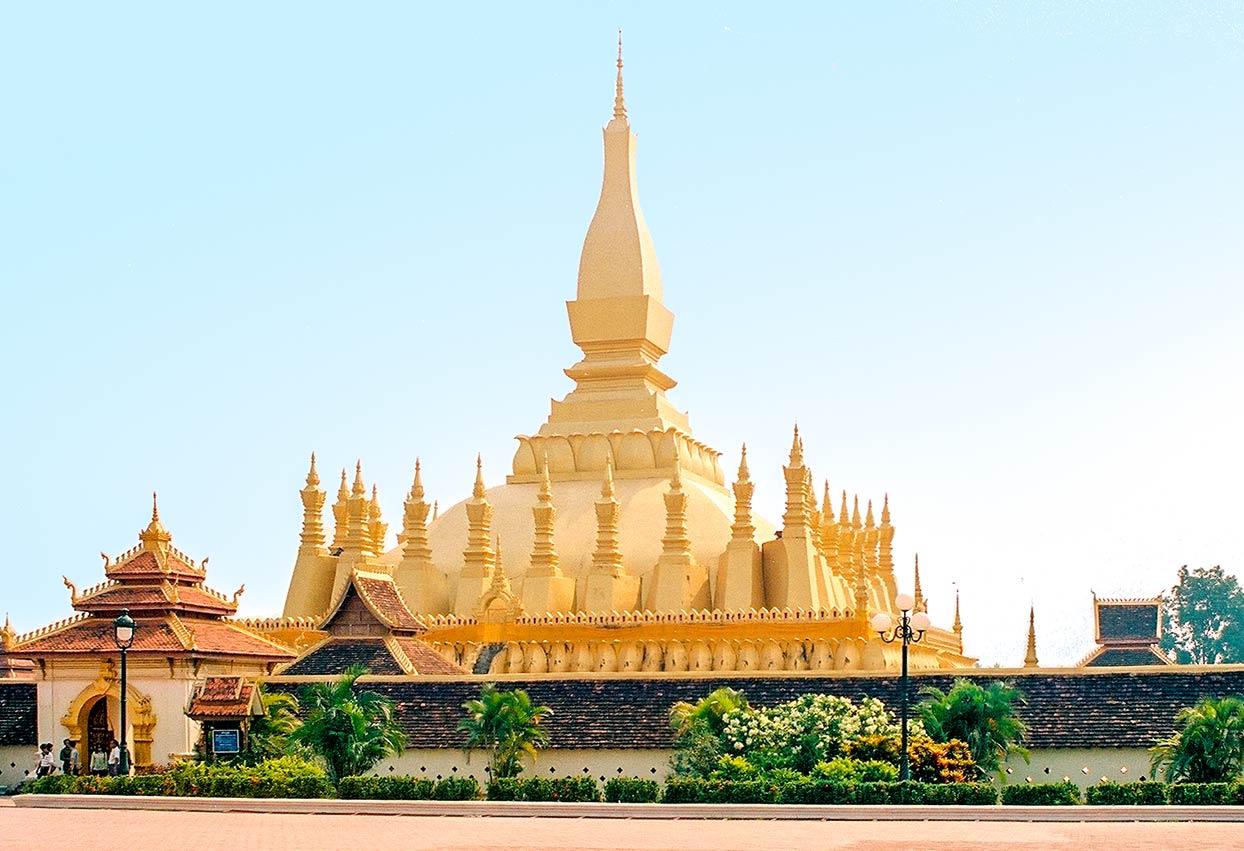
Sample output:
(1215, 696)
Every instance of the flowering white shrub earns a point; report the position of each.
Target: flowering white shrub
(806, 730)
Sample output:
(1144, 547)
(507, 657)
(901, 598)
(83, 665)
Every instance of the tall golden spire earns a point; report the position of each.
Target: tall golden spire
(357, 537)
(544, 560)
(1030, 658)
(479, 557)
(340, 516)
(415, 548)
(377, 529)
(478, 491)
(917, 591)
(155, 535)
(312, 537)
(676, 542)
(958, 624)
(796, 522)
(743, 528)
(607, 558)
(619, 103)
(885, 560)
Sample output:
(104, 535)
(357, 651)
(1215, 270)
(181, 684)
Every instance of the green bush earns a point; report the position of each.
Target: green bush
(287, 777)
(848, 770)
(817, 792)
(1201, 794)
(694, 791)
(399, 788)
(876, 793)
(570, 789)
(1114, 794)
(971, 794)
(632, 790)
(1041, 794)
(456, 789)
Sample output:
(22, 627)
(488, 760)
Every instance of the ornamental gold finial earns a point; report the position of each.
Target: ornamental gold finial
(855, 514)
(359, 488)
(416, 489)
(155, 508)
(343, 491)
(869, 522)
(1030, 658)
(745, 475)
(885, 511)
(313, 477)
(917, 591)
(436, 509)
(796, 449)
(619, 102)
(606, 489)
(827, 506)
(479, 490)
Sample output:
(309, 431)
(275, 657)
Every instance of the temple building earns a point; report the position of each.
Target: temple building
(627, 549)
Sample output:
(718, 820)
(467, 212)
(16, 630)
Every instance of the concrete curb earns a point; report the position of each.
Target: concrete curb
(760, 812)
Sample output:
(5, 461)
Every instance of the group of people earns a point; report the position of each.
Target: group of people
(101, 762)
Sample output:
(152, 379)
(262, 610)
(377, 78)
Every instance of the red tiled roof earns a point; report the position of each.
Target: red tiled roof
(381, 596)
(143, 562)
(425, 659)
(206, 636)
(151, 598)
(223, 697)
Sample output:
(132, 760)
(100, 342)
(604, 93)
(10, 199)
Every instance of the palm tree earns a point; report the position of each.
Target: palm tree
(985, 719)
(351, 730)
(269, 734)
(1209, 745)
(508, 725)
(711, 710)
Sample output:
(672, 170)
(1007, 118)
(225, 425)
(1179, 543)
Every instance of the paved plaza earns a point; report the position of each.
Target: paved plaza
(88, 830)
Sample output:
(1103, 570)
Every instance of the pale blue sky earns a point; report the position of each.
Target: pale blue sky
(988, 254)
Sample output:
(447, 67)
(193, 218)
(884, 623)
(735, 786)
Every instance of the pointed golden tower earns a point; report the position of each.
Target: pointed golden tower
(478, 558)
(498, 603)
(424, 588)
(678, 582)
(545, 588)
(310, 588)
(1030, 658)
(885, 559)
(740, 576)
(155, 537)
(377, 529)
(918, 592)
(339, 514)
(794, 570)
(829, 531)
(609, 588)
(957, 627)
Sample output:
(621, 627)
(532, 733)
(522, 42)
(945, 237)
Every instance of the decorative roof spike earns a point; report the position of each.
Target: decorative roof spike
(1030, 658)
(842, 511)
(855, 514)
(155, 533)
(313, 478)
(827, 506)
(869, 523)
(543, 554)
(546, 484)
(155, 508)
(359, 488)
(343, 491)
(957, 626)
(619, 102)
(745, 475)
(676, 478)
(312, 537)
(885, 511)
(479, 490)
(436, 509)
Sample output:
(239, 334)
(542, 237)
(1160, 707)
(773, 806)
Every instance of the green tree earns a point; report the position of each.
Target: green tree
(350, 729)
(269, 734)
(1208, 747)
(1204, 617)
(508, 725)
(710, 709)
(986, 719)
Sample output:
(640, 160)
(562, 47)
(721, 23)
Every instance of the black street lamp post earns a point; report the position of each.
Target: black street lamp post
(123, 633)
(909, 629)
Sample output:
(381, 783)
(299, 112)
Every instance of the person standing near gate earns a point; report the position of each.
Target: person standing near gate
(69, 761)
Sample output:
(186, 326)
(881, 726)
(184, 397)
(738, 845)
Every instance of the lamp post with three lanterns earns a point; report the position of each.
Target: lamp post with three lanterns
(908, 629)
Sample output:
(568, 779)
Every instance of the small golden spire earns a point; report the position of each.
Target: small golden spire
(313, 478)
(155, 508)
(343, 491)
(869, 523)
(606, 488)
(842, 512)
(796, 449)
(676, 478)
(436, 509)
(619, 102)
(918, 592)
(855, 515)
(745, 475)
(1030, 658)
(416, 489)
(155, 533)
(885, 511)
(479, 490)
(827, 506)
(957, 626)
(359, 488)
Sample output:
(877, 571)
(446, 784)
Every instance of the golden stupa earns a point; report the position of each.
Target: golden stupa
(625, 551)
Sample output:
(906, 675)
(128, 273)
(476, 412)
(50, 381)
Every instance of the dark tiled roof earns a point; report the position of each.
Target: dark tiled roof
(1113, 709)
(335, 655)
(1127, 621)
(18, 713)
(1122, 657)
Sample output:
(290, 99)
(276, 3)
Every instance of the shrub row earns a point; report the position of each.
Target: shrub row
(408, 788)
(1041, 794)
(632, 790)
(570, 789)
(688, 791)
(287, 777)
